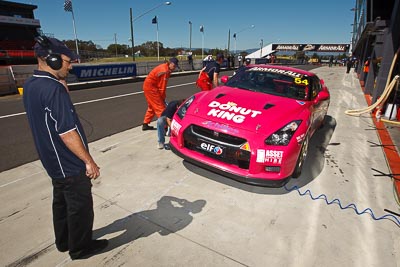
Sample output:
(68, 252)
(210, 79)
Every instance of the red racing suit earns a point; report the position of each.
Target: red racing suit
(204, 82)
(154, 88)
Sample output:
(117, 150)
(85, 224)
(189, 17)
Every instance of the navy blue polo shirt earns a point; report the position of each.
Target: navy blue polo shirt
(211, 68)
(50, 114)
(170, 110)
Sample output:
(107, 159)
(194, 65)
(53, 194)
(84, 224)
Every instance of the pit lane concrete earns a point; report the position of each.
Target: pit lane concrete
(158, 210)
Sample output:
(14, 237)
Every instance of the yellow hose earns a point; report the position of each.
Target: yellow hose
(388, 89)
(382, 99)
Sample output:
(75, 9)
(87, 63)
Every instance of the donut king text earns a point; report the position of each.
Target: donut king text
(231, 111)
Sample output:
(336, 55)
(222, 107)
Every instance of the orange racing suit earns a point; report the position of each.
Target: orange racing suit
(154, 88)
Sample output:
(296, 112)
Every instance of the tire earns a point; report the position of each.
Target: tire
(300, 160)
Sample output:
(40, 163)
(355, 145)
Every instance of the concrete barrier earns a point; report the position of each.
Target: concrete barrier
(7, 82)
(14, 76)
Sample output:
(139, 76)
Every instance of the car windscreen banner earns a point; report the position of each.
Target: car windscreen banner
(104, 72)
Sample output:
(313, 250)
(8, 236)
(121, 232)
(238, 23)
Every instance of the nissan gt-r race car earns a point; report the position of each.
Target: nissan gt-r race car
(256, 127)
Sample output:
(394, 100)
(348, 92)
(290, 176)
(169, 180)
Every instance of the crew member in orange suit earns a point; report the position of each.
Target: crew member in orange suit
(154, 88)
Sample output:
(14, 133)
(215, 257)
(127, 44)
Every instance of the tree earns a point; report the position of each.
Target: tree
(82, 45)
(121, 49)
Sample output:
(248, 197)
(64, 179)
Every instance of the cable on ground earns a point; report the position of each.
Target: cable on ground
(389, 217)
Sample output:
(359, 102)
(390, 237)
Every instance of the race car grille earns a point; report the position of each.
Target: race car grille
(217, 145)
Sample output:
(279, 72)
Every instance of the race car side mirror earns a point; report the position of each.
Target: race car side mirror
(224, 79)
(323, 95)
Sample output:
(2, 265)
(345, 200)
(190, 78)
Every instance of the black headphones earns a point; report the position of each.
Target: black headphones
(53, 60)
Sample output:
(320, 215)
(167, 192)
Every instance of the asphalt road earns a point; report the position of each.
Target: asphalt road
(103, 111)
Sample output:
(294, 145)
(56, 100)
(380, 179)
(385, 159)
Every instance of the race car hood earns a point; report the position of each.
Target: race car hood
(244, 109)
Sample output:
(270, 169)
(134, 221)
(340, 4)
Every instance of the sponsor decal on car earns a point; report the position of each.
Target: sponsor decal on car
(269, 156)
(175, 127)
(214, 149)
(300, 138)
(220, 126)
(280, 71)
(231, 111)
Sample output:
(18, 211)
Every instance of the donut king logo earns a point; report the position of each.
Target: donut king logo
(231, 111)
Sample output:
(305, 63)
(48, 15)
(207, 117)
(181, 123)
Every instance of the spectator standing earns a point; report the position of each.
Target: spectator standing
(190, 60)
(164, 121)
(273, 59)
(154, 88)
(63, 149)
(247, 62)
(349, 64)
(240, 60)
(366, 69)
(330, 61)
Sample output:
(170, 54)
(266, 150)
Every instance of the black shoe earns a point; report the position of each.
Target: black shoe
(95, 247)
(62, 249)
(146, 127)
(167, 147)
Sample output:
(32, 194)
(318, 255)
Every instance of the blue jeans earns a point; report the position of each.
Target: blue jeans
(161, 125)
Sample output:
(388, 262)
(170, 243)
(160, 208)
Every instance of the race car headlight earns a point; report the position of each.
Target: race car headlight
(182, 110)
(283, 136)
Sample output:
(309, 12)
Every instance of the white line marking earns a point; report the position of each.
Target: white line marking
(96, 100)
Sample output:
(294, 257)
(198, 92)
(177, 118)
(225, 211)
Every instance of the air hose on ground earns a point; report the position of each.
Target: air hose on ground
(382, 99)
(388, 89)
(369, 211)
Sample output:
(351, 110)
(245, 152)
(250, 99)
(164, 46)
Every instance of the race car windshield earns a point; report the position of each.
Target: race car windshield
(270, 83)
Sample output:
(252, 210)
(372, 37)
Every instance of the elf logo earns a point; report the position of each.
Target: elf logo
(211, 148)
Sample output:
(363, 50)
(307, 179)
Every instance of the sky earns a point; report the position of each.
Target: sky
(282, 21)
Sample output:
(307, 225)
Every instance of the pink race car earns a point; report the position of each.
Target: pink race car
(256, 127)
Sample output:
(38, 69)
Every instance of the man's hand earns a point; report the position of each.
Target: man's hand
(92, 170)
(74, 143)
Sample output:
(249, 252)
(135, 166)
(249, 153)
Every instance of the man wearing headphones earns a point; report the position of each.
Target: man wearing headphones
(63, 149)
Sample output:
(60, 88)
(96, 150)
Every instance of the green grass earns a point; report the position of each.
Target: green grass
(137, 59)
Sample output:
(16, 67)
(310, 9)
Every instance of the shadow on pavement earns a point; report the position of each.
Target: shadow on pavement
(316, 155)
(171, 215)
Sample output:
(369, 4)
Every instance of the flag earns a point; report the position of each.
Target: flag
(201, 28)
(154, 20)
(234, 35)
(68, 5)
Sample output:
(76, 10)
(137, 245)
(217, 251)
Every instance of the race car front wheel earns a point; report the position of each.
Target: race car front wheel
(300, 160)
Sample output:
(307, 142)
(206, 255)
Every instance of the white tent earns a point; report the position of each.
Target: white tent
(260, 53)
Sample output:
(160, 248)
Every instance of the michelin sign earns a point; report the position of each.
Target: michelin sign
(104, 72)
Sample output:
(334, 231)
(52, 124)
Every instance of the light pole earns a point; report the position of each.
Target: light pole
(242, 30)
(155, 21)
(261, 44)
(190, 36)
(138, 17)
(202, 41)
(229, 41)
